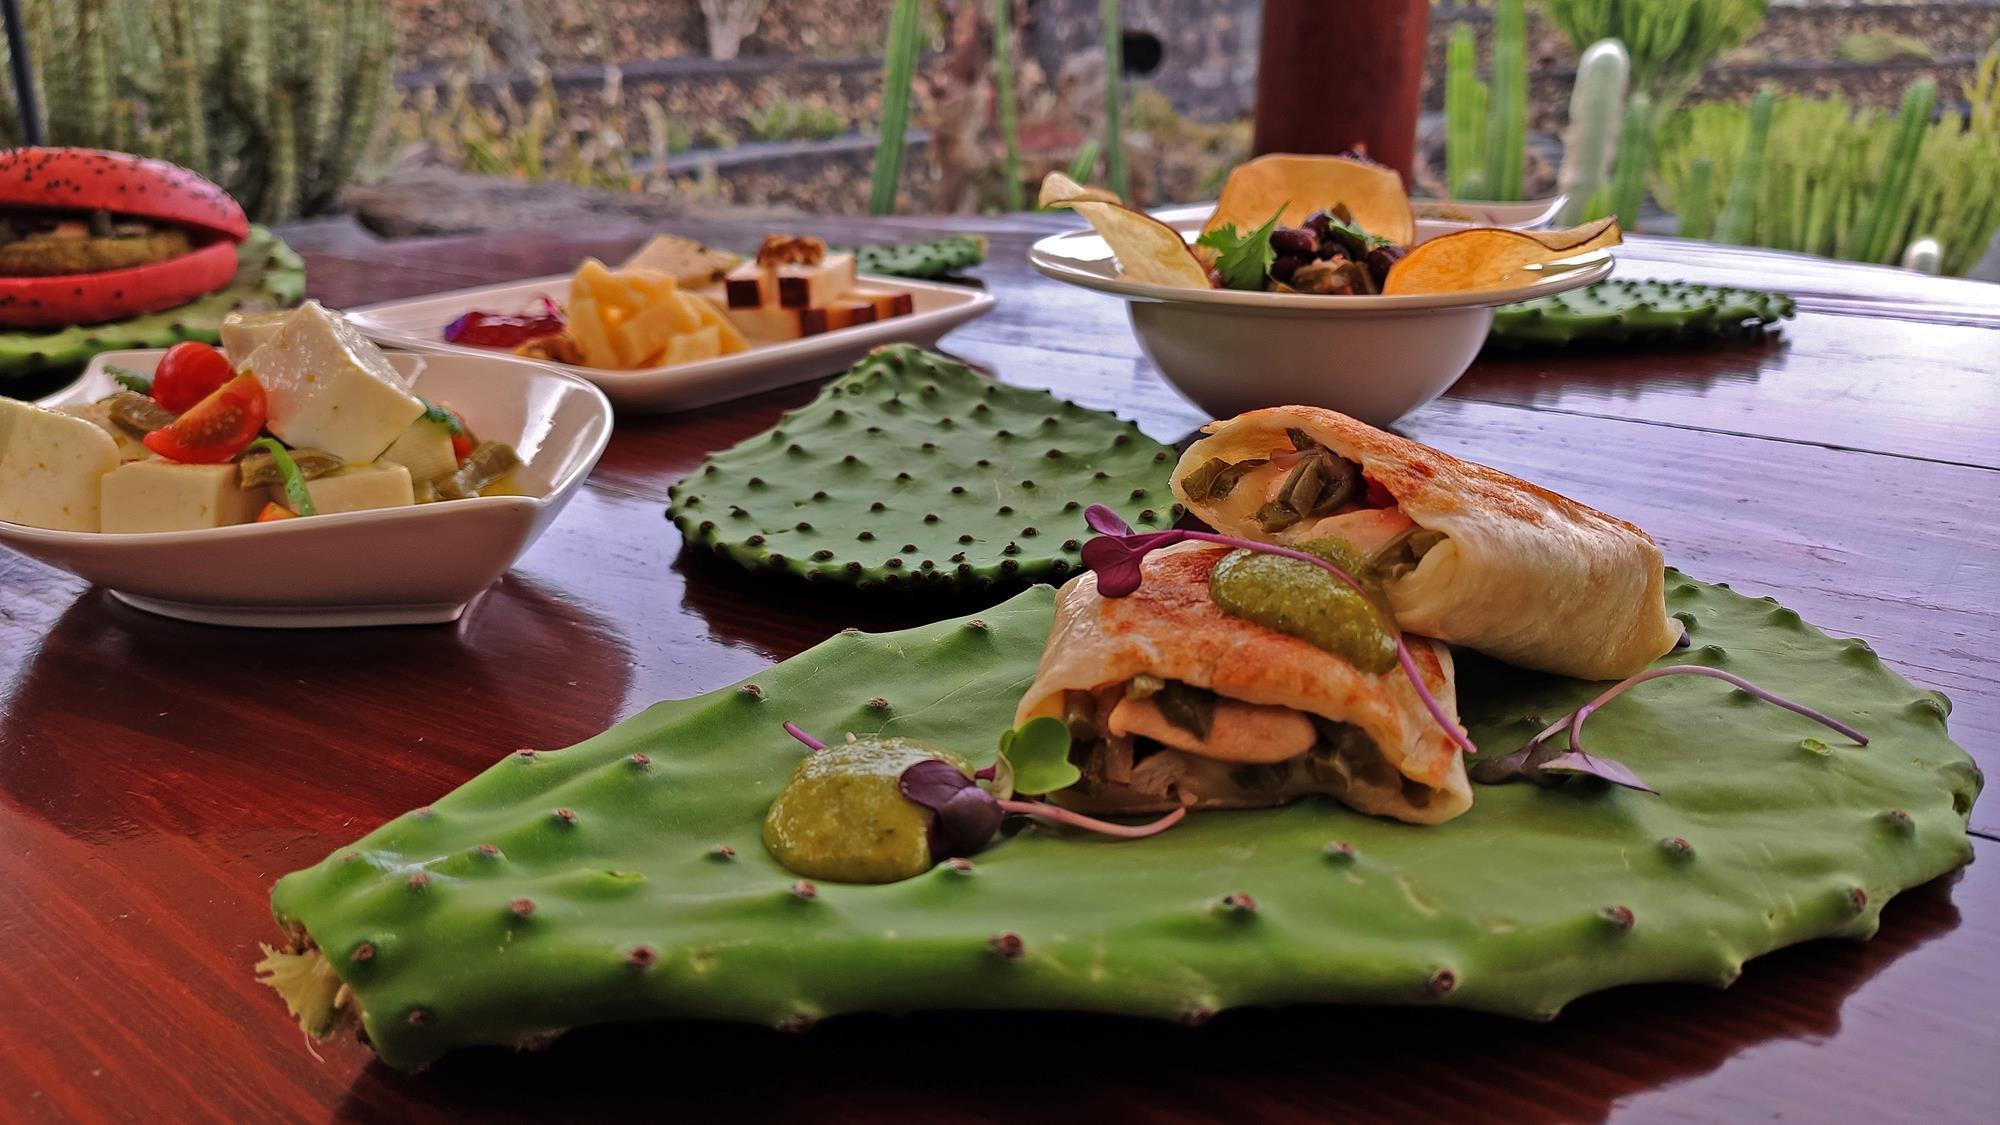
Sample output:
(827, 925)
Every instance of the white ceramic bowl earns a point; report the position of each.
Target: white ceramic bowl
(1376, 358)
(418, 324)
(388, 567)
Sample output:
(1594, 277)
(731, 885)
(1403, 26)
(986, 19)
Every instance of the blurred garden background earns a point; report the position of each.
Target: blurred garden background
(1853, 128)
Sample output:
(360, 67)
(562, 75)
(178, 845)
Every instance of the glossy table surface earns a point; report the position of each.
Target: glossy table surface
(156, 777)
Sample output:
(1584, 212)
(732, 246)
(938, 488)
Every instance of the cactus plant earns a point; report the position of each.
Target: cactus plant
(624, 878)
(1507, 125)
(1670, 40)
(1115, 173)
(915, 470)
(268, 275)
(1646, 311)
(1003, 93)
(1595, 123)
(1635, 153)
(937, 258)
(1698, 215)
(899, 66)
(1875, 237)
(1739, 213)
(1465, 117)
(277, 102)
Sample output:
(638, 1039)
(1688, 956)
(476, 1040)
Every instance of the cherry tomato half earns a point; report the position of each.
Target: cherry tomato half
(461, 438)
(188, 373)
(218, 428)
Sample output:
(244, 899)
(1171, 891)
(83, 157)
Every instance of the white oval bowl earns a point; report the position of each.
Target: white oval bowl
(390, 566)
(1375, 358)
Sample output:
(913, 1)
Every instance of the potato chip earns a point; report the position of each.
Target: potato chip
(1594, 235)
(1300, 185)
(1058, 190)
(1149, 251)
(1481, 258)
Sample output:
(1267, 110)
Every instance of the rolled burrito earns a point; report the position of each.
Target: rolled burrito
(1466, 554)
(1173, 702)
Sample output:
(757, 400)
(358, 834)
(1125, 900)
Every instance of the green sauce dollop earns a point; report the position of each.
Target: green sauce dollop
(842, 818)
(1301, 599)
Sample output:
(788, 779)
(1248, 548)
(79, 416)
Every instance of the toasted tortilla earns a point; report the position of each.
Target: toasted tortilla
(1524, 575)
(1172, 629)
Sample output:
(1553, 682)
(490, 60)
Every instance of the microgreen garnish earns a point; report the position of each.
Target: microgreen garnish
(1542, 757)
(967, 816)
(129, 379)
(1033, 760)
(1116, 554)
(442, 416)
(1243, 261)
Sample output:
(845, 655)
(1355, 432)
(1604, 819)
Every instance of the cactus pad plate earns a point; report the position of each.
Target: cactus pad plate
(914, 470)
(922, 260)
(1648, 311)
(624, 878)
(269, 274)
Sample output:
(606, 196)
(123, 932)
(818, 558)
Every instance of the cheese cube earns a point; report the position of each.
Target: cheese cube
(50, 468)
(749, 286)
(771, 323)
(425, 450)
(244, 333)
(357, 488)
(130, 447)
(169, 496)
(329, 388)
(887, 302)
(849, 312)
(818, 285)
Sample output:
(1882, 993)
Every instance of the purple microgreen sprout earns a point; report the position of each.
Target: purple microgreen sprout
(1116, 554)
(1541, 756)
(1042, 810)
(811, 742)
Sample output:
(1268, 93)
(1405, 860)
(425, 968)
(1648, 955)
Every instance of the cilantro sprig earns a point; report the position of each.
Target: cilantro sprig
(1243, 260)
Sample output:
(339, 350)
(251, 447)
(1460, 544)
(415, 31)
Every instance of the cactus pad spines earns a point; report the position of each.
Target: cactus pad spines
(269, 274)
(924, 260)
(914, 470)
(1645, 311)
(1764, 835)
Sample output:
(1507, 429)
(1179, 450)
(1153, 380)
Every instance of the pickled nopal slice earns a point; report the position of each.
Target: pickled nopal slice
(654, 898)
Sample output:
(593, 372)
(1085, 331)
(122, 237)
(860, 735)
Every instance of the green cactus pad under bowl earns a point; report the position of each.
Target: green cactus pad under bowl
(269, 275)
(914, 470)
(624, 878)
(1642, 311)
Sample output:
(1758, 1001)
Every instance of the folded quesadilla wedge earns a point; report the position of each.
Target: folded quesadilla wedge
(1465, 553)
(1173, 702)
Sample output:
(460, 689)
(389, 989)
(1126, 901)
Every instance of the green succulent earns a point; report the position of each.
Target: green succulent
(1644, 311)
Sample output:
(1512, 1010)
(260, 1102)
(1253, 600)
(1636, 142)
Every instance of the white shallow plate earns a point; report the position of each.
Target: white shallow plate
(418, 324)
(394, 566)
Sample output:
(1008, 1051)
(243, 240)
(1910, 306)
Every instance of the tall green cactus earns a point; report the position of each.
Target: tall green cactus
(201, 82)
(1698, 210)
(1507, 128)
(1670, 41)
(1635, 153)
(1875, 237)
(1595, 104)
(1114, 100)
(1739, 213)
(1464, 117)
(899, 65)
(1003, 93)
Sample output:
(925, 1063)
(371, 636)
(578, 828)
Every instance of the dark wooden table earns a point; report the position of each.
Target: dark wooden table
(156, 777)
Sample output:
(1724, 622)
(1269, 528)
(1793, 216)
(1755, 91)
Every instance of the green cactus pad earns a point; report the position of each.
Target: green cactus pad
(624, 878)
(940, 258)
(269, 274)
(1646, 311)
(914, 470)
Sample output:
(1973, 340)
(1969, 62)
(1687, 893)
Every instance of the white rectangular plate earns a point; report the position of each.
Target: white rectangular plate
(418, 324)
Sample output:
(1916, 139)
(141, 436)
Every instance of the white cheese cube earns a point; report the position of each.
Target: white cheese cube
(329, 388)
(98, 414)
(50, 466)
(425, 450)
(357, 488)
(243, 333)
(170, 496)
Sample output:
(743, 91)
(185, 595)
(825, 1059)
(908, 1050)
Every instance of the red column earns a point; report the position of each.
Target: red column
(1333, 74)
